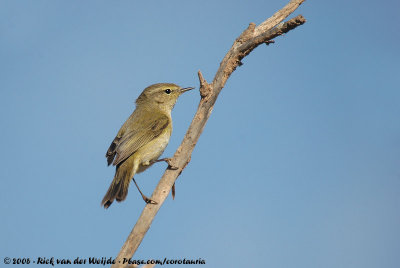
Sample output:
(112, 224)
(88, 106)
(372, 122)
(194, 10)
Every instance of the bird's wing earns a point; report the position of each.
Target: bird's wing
(136, 136)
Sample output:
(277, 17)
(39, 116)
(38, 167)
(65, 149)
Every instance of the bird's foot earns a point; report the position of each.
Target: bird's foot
(168, 161)
(148, 200)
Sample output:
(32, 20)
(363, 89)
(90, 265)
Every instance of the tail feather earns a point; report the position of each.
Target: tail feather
(118, 189)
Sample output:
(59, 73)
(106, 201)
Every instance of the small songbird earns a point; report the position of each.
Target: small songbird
(142, 138)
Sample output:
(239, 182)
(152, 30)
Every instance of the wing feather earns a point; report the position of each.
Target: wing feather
(136, 136)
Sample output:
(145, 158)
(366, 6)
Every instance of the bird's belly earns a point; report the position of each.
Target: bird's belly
(152, 150)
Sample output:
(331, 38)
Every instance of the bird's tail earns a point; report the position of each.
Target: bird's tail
(118, 189)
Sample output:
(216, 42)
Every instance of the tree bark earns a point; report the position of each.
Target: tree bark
(252, 37)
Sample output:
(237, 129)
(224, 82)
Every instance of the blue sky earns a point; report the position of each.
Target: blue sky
(298, 165)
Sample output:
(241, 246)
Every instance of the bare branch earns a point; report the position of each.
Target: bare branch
(205, 88)
(247, 34)
(278, 17)
(250, 38)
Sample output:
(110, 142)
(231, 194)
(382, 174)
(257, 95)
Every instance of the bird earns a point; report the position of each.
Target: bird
(142, 139)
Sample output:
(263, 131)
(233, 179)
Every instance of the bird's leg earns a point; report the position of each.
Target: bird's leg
(167, 160)
(145, 198)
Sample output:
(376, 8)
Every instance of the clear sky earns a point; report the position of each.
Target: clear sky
(298, 166)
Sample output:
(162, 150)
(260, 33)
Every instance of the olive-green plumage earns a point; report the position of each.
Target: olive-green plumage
(142, 138)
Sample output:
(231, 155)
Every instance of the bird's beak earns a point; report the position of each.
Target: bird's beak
(186, 89)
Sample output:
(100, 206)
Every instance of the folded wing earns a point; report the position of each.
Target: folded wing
(134, 137)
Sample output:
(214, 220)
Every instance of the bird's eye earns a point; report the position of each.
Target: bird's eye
(167, 91)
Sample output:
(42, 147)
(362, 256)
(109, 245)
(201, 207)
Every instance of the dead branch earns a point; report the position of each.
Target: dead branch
(252, 37)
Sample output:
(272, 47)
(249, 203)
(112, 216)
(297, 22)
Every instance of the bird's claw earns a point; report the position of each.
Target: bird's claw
(149, 201)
